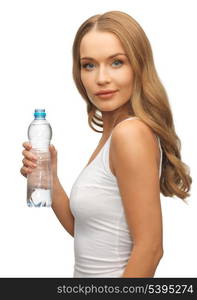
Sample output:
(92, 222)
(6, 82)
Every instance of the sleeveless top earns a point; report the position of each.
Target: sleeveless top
(102, 240)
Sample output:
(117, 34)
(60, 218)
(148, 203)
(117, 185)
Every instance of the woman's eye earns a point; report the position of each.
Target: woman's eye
(117, 62)
(87, 66)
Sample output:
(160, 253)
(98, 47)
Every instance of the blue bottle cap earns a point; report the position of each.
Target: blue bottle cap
(39, 113)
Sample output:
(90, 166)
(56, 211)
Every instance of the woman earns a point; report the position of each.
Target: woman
(114, 210)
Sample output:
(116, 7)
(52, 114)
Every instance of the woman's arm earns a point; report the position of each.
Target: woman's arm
(143, 261)
(60, 206)
(135, 160)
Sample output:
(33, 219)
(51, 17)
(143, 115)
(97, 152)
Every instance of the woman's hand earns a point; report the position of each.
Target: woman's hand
(29, 160)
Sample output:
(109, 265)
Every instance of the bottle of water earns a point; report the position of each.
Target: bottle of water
(39, 181)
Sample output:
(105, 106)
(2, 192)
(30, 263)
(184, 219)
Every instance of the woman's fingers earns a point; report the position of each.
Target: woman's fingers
(29, 160)
(28, 155)
(25, 171)
(27, 145)
(29, 163)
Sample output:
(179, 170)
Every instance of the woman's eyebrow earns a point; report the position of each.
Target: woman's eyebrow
(111, 56)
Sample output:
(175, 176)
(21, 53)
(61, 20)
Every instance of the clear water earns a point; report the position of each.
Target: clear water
(39, 182)
(37, 197)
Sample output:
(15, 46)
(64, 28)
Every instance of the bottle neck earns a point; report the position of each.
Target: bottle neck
(39, 118)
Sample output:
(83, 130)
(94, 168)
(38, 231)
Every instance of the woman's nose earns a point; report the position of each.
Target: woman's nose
(103, 76)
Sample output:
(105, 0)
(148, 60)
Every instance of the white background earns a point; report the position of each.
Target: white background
(36, 72)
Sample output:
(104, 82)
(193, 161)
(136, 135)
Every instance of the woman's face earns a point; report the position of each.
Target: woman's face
(105, 67)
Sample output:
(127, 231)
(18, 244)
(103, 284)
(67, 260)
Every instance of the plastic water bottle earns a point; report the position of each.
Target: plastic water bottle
(39, 181)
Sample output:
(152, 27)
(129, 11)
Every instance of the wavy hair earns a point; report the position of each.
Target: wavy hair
(149, 100)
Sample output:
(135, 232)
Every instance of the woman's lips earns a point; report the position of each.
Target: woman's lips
(106, 96)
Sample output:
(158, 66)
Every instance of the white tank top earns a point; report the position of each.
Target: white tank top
(102, 240)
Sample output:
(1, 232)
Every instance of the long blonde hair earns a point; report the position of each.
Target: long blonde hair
(149, 100)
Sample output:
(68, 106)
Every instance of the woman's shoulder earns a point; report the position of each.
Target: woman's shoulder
(133, 135)
(131, 128)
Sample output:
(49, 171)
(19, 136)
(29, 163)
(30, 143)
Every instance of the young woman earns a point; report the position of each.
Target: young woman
(114, 210)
